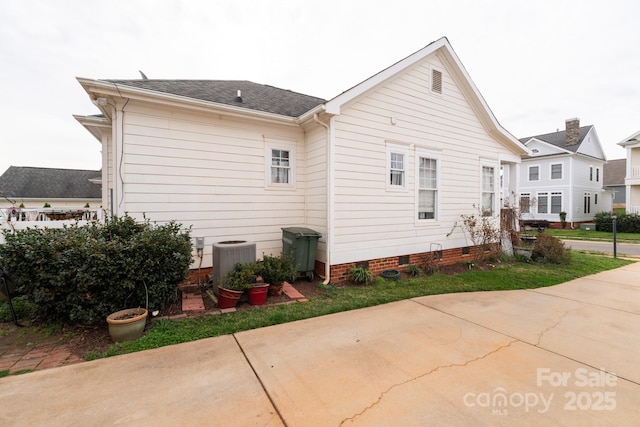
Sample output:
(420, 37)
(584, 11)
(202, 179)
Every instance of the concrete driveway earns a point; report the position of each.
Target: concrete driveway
(563, 355)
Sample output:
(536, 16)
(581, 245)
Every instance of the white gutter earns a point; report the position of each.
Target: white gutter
(329, 161)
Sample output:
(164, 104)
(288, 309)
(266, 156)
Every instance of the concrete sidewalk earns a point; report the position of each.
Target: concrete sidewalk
(563, 355)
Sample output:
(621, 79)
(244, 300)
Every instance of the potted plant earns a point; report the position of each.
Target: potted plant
(275, 270)
(128, 324)
(242, 277)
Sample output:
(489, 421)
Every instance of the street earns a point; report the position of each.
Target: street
(630, 249)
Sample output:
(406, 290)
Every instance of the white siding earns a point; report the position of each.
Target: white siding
(373, 222)
(208, 172)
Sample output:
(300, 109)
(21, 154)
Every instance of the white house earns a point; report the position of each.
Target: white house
(564, 173)
(383, 171)
(632, 178)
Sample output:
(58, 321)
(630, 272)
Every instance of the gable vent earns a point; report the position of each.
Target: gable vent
(436, 81)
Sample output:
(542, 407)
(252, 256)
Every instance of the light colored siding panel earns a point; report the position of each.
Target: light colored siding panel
(369, 219)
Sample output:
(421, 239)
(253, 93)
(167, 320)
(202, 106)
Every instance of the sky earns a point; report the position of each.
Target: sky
(536, 63)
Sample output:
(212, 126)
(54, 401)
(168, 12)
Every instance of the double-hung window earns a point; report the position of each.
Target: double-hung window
(556, 202)
(427, 188)
(556, 171)
(397, 169)
(397, 166)
(525, 203)
(488, 190)
(543, 203)
(280, 164)
(534, 173)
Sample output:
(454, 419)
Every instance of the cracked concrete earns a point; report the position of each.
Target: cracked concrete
(437, 368)
(531, 357)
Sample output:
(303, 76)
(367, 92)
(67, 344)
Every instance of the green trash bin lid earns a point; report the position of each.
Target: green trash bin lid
(302, 231)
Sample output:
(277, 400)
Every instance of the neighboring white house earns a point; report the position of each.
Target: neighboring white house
(632, 178)
(615, 172)
(564, 173)
(383, 171)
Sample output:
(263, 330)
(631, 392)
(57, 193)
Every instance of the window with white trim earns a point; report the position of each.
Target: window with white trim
(556, 171)
(525, 203)
(590, 173)
(397, 163)
(280, 165)
(556, 202)
(488, 195)
(595, 199)
(597, 174)
(543, 203)
(587, 203)
(534, 173)
(427, 187)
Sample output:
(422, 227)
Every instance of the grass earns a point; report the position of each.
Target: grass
(505, 276)
(605, 236)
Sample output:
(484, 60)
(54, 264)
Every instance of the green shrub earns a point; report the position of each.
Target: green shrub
(625, 223)
(242, 277)
(551, 250)
(277, 269)
(413, 270)
(361, 275)
(22, 307)
(81, 274)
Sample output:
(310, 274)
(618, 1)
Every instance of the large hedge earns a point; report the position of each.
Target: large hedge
(626, 223)
(81, 274)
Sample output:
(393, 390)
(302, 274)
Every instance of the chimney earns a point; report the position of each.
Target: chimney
(572, 134)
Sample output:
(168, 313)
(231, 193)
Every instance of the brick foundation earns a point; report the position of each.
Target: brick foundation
(339, 272)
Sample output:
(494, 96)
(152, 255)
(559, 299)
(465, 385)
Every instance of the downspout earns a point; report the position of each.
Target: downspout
(329, 201)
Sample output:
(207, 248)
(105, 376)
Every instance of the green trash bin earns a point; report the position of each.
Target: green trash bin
(301, 243)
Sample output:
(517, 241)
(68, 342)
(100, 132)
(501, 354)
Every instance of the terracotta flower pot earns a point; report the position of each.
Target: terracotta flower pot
(258, 294)
(127, 325)
(276, 290)
(228, 298)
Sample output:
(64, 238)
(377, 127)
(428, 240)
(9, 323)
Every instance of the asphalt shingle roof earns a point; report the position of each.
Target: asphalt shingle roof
(558, 138)
(255, 96)
(614, 172)
(47, 183)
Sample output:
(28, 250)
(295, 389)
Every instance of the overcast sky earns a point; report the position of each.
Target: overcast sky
(537, 63)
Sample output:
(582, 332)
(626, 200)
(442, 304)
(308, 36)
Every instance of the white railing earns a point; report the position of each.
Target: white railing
(19, 218)
(635, 172)
(14, 215)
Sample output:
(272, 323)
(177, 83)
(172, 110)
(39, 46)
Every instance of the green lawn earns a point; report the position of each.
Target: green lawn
(504, 276)
(592, 235)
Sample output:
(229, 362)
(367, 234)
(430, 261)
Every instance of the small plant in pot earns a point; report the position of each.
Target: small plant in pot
(128, 324)
(275, 270)
(243, 276)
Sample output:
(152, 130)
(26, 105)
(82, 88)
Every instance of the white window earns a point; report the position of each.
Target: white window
(597, 174)
(534, 173)
(595, 199)
(397, 159)
(427, 188)
(488, 190)
(397, 170)
(525, 203)
(590, 174)
(543, 203)
(587, 203)
(556, 171)
(280, 165)
(556, 202)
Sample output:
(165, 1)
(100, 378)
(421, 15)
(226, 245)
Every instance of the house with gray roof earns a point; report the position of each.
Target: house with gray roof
(564, 172)
(615, 172)
(32, 187)
(382, 171)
